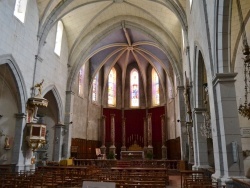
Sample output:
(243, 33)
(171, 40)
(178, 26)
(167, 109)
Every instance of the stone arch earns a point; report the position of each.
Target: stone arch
(18, 78)
(198, 68)
(222, 36)
(56, 94)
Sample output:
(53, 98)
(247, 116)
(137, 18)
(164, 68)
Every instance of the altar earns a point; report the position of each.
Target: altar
(132, 155)
(135, 152)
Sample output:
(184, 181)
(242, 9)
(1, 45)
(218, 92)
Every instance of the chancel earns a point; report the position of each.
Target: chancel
(125, 93)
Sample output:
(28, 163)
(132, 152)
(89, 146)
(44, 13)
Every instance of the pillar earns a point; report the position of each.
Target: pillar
(200, 142)
(58, 141)
(68, 121)
(20, 146)
(163, 138)
(225, 129)
(182, 124)
(150, 146)
(103, 147)
(145, 132)
(123, 134)
(112, 147)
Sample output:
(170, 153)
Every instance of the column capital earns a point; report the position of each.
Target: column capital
(199, 110)
(103, 116)
(112, 115)
(20, 115)
(224, 77)
(162, 116)
(70, 92)
(180, 87)
(59, 125)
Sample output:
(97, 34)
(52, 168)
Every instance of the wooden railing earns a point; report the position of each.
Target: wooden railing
(173, 166)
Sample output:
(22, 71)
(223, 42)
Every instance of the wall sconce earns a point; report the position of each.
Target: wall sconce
(7, 143)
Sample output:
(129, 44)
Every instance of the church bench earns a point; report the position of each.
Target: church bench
(199, 182)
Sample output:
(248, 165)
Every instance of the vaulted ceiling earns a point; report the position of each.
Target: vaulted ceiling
(106, 32)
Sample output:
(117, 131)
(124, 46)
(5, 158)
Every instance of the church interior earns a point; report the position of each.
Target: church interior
(125, 93)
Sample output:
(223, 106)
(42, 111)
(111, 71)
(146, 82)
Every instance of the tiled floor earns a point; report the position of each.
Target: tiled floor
(174, 182)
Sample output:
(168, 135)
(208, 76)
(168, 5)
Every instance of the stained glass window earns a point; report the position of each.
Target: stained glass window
(134, 88)
(155, 88)
(112, 88)
(95, 89)
(20, 9)
(81, 81)
(58, 43)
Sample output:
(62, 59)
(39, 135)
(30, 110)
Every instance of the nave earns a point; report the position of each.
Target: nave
(122, 174)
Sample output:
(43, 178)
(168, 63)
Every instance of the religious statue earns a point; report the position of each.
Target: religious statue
(186, 95)
(7, 143)
(39, 86)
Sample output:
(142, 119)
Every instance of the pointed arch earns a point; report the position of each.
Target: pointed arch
(18, 78)
(58, 100)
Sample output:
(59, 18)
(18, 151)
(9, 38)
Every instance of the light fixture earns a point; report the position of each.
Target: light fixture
(244, 109)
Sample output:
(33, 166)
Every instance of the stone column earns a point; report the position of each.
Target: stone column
(182, 124)
(20, 146)
(123, 134)
(163, 138)
(225, 128)
(103, 147)
(112, 147)
(58, 141)
(200, 142)
(68, 121)
(145, 133)
(150, 146)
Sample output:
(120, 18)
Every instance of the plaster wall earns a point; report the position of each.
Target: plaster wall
(8, 107)
(20, 39)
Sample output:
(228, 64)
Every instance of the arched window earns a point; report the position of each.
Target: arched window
(59, 33)
(191, 2)
(183, 39)
(134, 88)
(112, 88)
(95, 89)
(20, 9)
(81, 81)
(155, 88)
